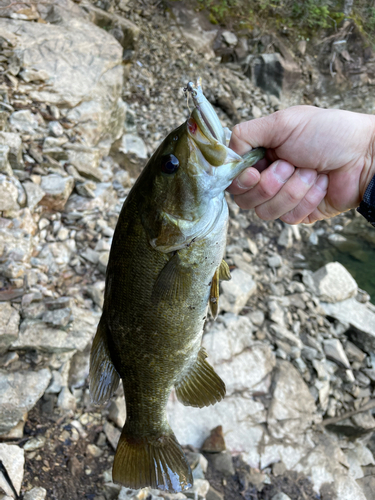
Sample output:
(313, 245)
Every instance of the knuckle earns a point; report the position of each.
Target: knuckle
(292, 197)
(265, 191)
(263, 213)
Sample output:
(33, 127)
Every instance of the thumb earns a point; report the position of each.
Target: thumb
(256, 133)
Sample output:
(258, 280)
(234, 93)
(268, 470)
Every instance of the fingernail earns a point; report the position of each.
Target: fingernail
(307, 175)
(322, 182)
(246, 180)
(283, 170)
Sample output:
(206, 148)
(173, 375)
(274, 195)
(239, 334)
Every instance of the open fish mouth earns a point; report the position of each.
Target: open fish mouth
(204, 114)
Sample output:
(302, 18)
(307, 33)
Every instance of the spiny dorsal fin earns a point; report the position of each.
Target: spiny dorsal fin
(104, 378)
(224, 271)
(158, 462)
(201, 386)
(173, 281)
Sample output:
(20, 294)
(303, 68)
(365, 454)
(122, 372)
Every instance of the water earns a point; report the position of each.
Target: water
(354, 248)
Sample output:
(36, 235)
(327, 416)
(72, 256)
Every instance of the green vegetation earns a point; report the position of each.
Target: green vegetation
(301, 17)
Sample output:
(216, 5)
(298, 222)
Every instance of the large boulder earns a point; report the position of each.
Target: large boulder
(76, 66)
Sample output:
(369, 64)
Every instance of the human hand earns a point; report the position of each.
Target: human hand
(318, 163)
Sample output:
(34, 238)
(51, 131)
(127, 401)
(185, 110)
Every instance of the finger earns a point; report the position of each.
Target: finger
(248, 178)
(289, 196)
(271, 181)
(245, 181)
(309, 203)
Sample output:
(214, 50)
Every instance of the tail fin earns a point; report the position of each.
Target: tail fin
(156, 462)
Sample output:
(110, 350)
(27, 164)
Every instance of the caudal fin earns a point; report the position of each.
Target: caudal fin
(159, 463)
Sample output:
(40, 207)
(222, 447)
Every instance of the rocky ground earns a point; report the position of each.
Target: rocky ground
(87, 92)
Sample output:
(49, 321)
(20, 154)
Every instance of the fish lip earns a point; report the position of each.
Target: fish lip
(201, 104)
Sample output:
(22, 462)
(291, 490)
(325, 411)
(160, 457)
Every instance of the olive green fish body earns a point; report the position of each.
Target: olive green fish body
(164, 268)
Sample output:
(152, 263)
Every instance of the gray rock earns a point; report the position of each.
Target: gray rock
(222, 462)
(9, 323)
(257, 317)
(274, 261)
(353, 352)
(212, 494)
(229, 38)
(276, 312)
(90, 255)
(286, 237)
(96, 292)
(57, 191)
(359, 316)
(5, 167)
(13, 458)
(34, 443)
(335, 352)
(133, 144)
(66, 400)
(199, 489)
(227, 337)
(199, 39)
(55, 129)
(58, 317)
(103, 261)
(367, 485)
(117, 411)
(14, 142)
(35, 494)
(272, 73)
(35, 334)
(86, 161)
(24, 120)
(8, 194)
(112, 434)
(121, 28)
(34, 194)
(236, 292)
(334, 283)
(256, 112)
(286, 335)
(281, 496)
(292, 407)
(19, 392)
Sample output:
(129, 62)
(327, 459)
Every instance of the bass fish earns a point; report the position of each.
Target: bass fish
(164, 268)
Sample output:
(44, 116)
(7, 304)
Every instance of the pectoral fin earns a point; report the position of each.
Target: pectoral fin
(104, 378)
(201, 386)
(221, 273)
(224, 271)
(173, 281)
(214, 294)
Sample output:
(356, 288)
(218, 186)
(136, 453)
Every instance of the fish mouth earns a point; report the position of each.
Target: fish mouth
(204, 115)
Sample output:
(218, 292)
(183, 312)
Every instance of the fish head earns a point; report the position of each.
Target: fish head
(185, 180)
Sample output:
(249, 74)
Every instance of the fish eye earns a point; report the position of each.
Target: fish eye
(169, 164)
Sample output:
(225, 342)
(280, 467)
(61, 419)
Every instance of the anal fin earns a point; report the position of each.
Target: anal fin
(173, 282)
(104, 378)
(158, 462)
(201, 386)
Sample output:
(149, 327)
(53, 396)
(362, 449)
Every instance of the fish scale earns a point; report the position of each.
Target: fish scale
(163, 272)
